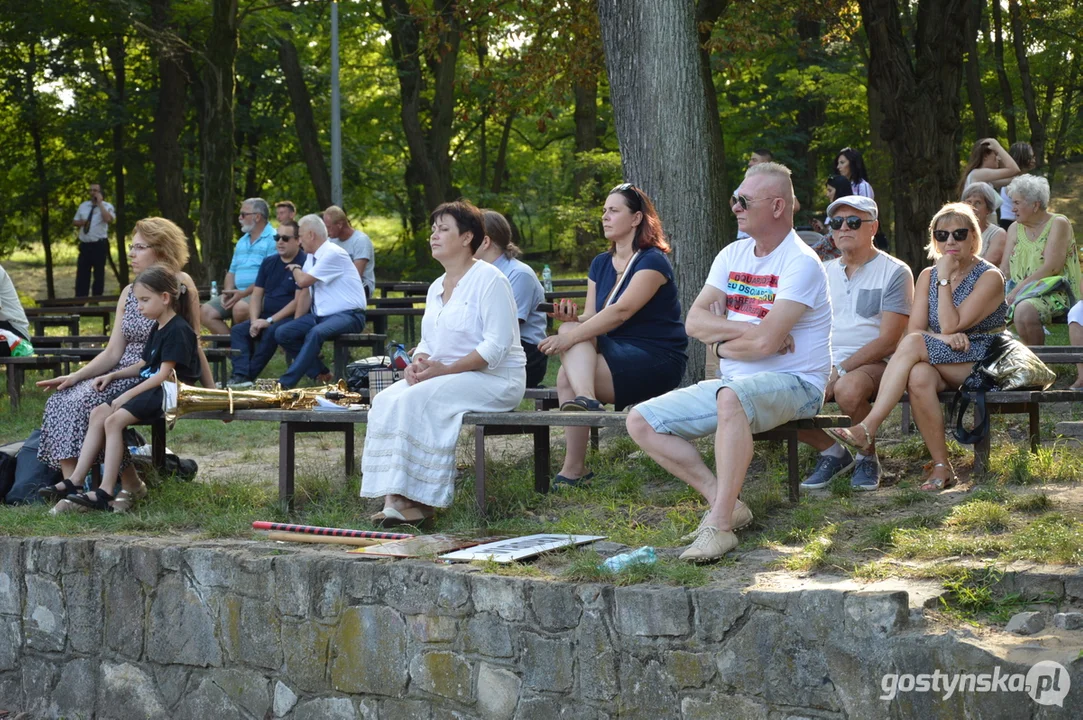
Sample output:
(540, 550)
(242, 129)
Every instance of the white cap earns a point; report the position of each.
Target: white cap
(857, 202)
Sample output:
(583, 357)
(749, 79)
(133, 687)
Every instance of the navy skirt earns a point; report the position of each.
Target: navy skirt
(147, 406)
(640, 372)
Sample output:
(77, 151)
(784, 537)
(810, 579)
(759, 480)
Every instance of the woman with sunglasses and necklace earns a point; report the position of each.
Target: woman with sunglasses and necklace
(958, 309)
(629, 343)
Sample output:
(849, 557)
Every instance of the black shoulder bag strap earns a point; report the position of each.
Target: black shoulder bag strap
(957, 409)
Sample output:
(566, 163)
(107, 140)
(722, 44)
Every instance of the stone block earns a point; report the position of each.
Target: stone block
(250, 631)
(11, 574)
(444, 674)
(125, 610)
(545, 707)
(597, 658)
(717, 611)
(11, 689)
(503, 596)
(876, 614)
(1026, 623)
(78, 556)
(305, 650)
(366, 581)
(1073, 586)
(652, 612)
(45, 621)
(368, 652)
(293, 586)
(247, 689)
(126, 692)
(487, 634)
(284, 699)
(82, 598)
(646, 689)
(773, 599)
(732, 707)
(78, 684)
(405, 710)
(689, 669)
(433, 628)
(11, 642)
(172, 682)
(547, 662)
(1064, 621)
(338, 708)
(555, 606)
(39, 677)
(45, 556)
(171, 558)
(206, 700)
(181, 627)
(330, 597)
(498, 692)
(144, 564)
(415, 589)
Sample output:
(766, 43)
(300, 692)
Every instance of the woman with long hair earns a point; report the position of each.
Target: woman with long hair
(851, 166)
(989, 162)
(629, 343)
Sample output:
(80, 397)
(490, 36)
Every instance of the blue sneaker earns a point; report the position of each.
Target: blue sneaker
(828, 467)
(866, 474)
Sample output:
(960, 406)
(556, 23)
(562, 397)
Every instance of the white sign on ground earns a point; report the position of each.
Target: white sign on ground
(505, 551)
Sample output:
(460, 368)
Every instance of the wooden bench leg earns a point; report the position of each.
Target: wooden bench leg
(905, 417)
(286, 436)
(157, 443)
(1035, 427)
(981, 455)
(341, 353)
(793, 470)
(350, 461)
(594, 439)
(541, 460)
(479, 467)
(13, 386)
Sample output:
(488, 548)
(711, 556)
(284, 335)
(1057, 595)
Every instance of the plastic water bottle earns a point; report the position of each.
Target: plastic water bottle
(17, 347)
(547, 279)
(214, 289)
(644, 555)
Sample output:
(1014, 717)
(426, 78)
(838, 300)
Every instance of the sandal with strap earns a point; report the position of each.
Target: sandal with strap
(844, 436)
(60, 491)
(100, 501)
(936, 483)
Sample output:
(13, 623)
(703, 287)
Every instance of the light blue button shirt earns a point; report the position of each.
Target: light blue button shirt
(528, 293)
(248, 256)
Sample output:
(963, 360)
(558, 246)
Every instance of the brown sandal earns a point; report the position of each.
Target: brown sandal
(844, 436)
(935, 483)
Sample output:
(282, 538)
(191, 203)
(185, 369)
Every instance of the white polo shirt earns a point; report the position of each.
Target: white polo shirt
(858, 303)
(99, 229)
(338, 287)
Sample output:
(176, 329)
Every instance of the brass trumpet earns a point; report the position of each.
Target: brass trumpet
(190, 399)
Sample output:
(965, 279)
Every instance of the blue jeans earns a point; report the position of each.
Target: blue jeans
(304, 336)
(256, 352)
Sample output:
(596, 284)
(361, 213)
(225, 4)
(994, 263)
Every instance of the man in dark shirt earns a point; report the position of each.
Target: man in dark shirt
(273, 300)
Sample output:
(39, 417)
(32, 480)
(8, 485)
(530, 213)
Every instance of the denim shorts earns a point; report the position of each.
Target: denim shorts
(769, 400)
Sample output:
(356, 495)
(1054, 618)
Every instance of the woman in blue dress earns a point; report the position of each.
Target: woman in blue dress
(629, 343)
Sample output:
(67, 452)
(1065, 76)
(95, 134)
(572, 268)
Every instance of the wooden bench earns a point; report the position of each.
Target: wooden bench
(536, 423)
(41, 321)
(105, 312)
(46, 341)
(17, 367)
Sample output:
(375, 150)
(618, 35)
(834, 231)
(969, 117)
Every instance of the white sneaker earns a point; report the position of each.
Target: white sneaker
(742, 517)
(710, 544)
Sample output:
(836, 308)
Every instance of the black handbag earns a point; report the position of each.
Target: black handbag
(1008, 365)
(357, 373)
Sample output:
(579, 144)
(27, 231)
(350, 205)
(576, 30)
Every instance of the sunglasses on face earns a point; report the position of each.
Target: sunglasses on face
(744, 202)
(852, 221)
(942, 235)
(284, 238)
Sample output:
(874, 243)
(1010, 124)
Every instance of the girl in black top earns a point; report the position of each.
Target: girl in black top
(172, 346)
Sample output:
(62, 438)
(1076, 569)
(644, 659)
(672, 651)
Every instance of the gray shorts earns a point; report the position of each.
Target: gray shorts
(769, 400)
(216, 303)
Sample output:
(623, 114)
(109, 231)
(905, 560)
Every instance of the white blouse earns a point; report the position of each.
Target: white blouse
(481, 315)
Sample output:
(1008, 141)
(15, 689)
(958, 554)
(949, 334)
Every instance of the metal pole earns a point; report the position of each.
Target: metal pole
(336, 114)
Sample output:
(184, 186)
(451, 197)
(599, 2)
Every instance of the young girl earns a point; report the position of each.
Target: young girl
(172, 346)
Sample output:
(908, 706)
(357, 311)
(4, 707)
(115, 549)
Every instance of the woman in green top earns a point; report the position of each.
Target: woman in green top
(1040, 245)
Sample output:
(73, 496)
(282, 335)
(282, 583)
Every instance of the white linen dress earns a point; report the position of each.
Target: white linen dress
(413, 429)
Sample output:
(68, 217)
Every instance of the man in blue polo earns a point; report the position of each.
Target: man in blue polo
(257, 243)
(273, 301)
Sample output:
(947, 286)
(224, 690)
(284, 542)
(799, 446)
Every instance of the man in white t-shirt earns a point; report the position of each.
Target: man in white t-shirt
(92, 218)
(334, 305)
(765, 313)
(871, 295)
(356, 243)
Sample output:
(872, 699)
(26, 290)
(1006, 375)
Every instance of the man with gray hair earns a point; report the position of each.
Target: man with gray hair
(257, 243)
(333, 305)
(765, 313)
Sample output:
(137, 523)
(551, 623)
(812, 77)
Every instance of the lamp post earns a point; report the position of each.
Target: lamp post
(336, 113)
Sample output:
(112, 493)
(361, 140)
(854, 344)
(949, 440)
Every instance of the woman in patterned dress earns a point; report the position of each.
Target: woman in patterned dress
(964, 309)
(67, 412)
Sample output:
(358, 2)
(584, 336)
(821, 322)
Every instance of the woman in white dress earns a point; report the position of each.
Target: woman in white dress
(469, 360)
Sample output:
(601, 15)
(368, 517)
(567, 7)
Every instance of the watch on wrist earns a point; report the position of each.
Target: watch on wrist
(717, 347)
(840, 370)
(943, 282)
(271, 320)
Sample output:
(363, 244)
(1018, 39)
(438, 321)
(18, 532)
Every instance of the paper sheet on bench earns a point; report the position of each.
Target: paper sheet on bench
(513, 549)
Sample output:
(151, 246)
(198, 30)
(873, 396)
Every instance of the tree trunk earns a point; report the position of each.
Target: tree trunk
(1037, 127)
(973, 73)
(500, 168)
(670, 142)
(920, 101)
(1002, 73)
(217, 209)
(429, 143)
(1061, 137)
(169, 121)
(707, 14)
(586, 139)
(305, 122)
(117, 53)
(247, 141)
(39, 166)
(812, 110)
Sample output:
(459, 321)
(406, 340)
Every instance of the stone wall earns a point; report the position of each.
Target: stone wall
(141, 629)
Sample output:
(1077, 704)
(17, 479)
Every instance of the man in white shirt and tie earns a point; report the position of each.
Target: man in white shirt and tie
(337, 302)
(92, 218)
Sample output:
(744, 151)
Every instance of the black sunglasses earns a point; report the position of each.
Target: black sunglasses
(959, 234)
(284, 238)
(852, 221)
(744, 202)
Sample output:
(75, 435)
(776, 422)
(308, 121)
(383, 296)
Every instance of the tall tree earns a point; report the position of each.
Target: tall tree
(117, 52)
(918, 82)
(670, 144)
(1019, 43)
(1007, 99)
(304, 120)
(974, 91)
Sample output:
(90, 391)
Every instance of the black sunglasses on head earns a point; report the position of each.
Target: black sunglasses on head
(852, 221)
(959, 234)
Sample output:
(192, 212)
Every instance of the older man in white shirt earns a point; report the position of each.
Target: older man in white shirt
(337, 301)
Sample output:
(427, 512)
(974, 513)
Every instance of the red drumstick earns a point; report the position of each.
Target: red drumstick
(332, 532)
